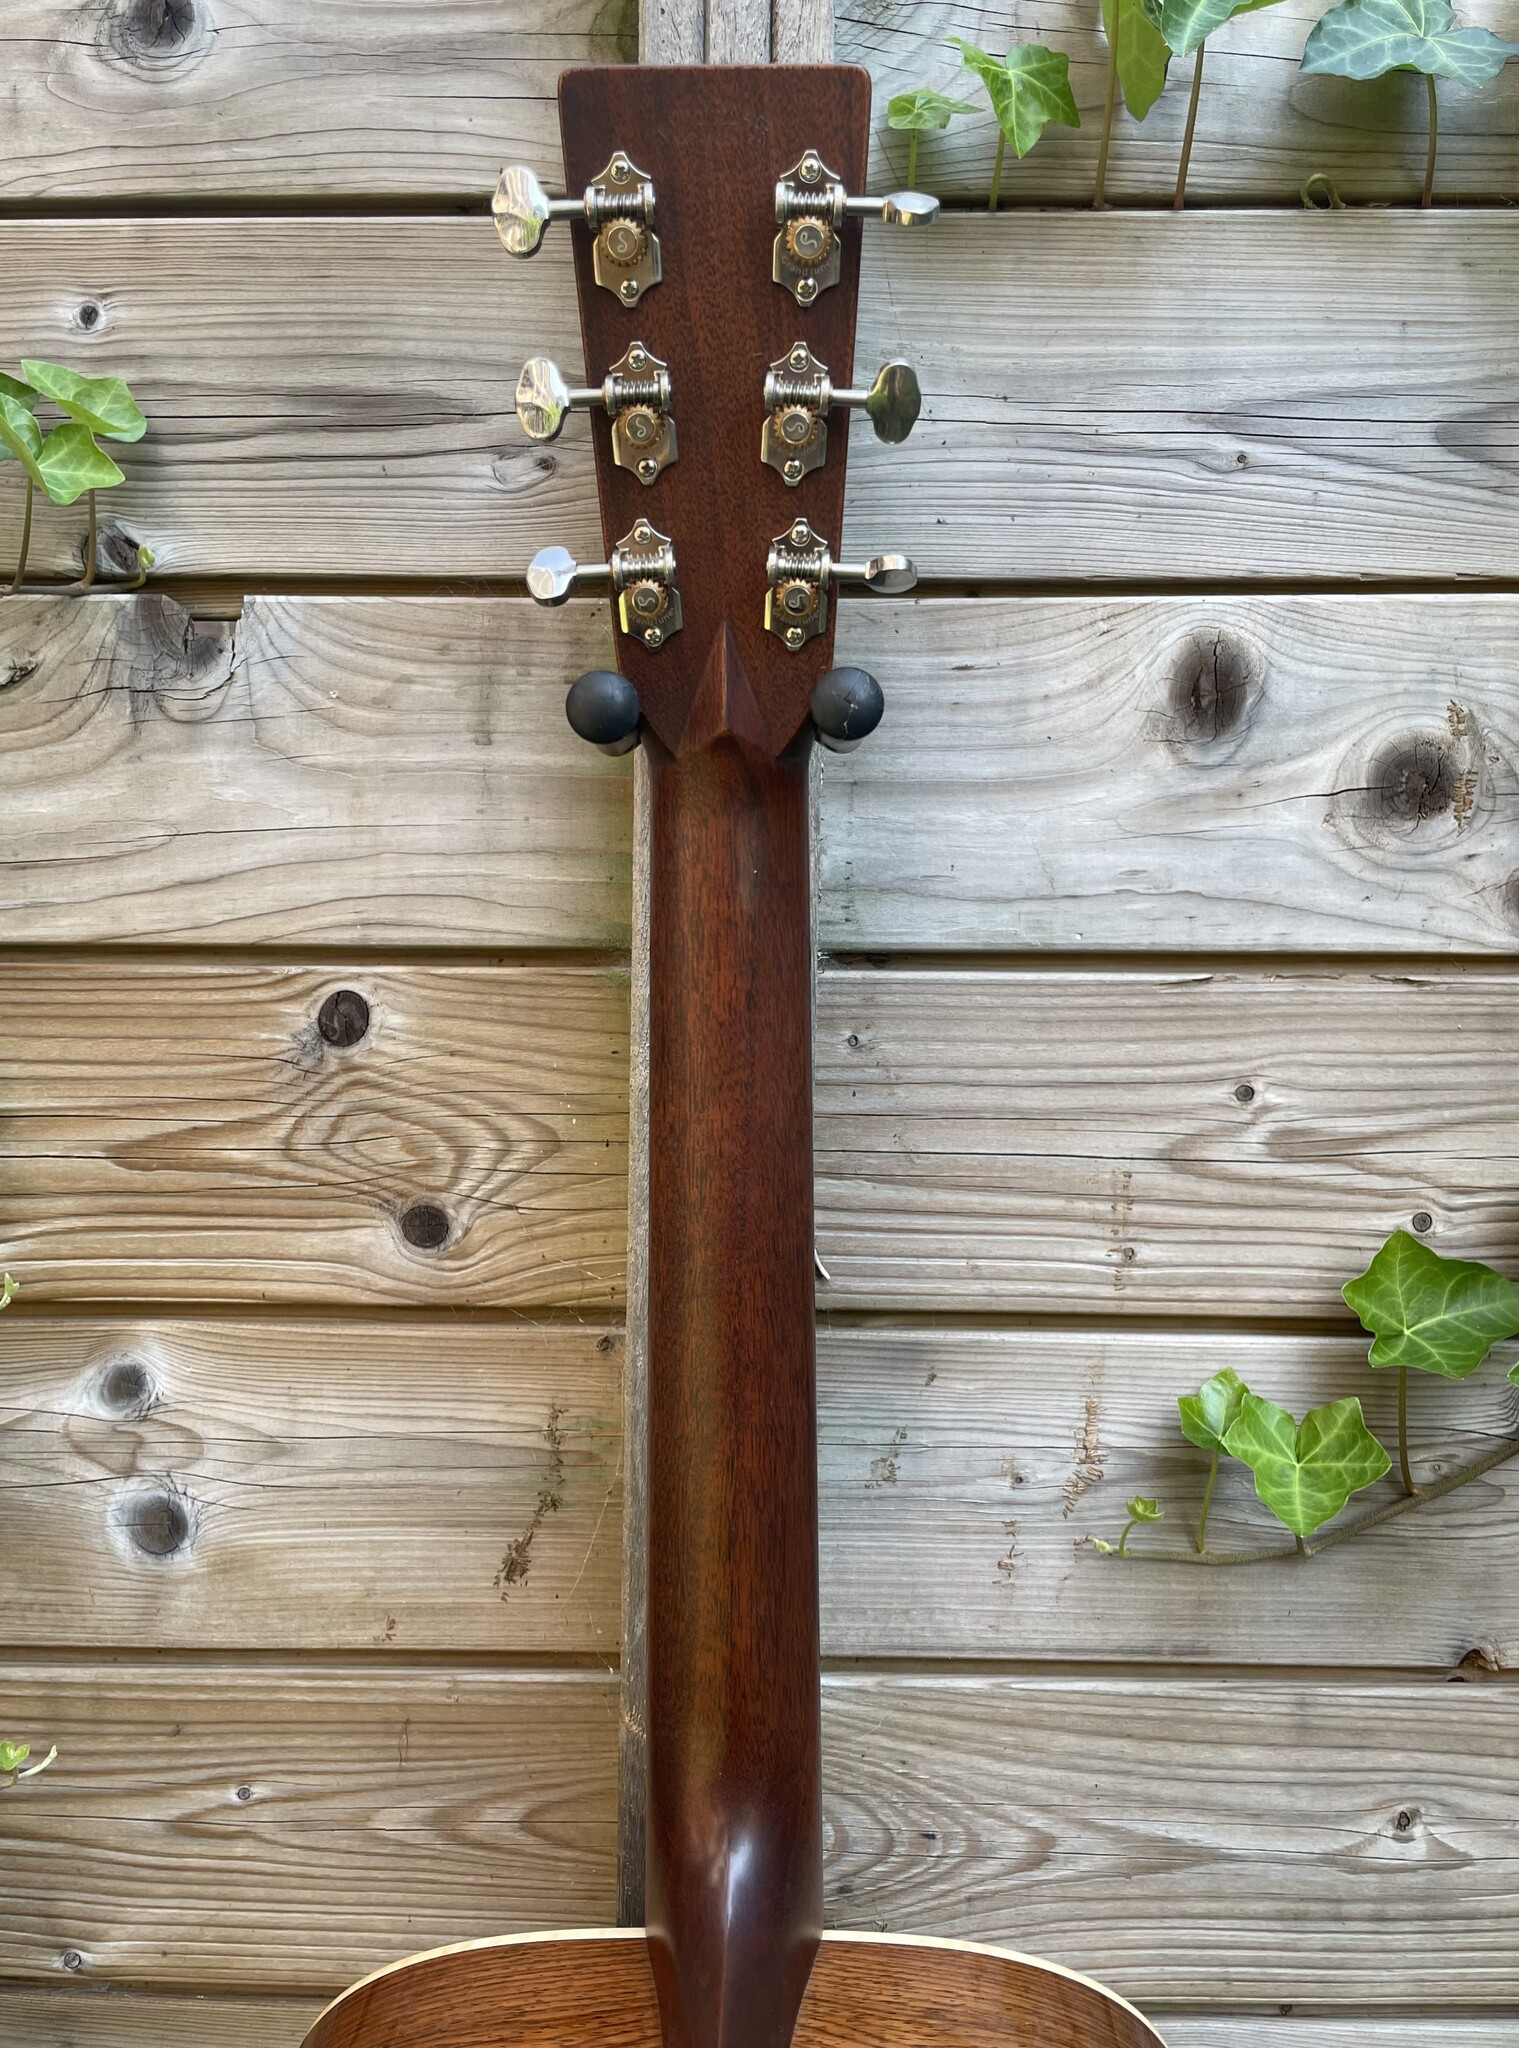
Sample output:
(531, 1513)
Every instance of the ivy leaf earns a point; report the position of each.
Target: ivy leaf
(12, 387)
(20, 436)
(9, 1289)
(1028, 90)
(103, 404)
(924, 110)
(1133, 26)
(1364, 38)
(1208, 1415)
(1142, 1510)
(13, 1755)
(73, 462)
(1187, 23)
(1438, 1315)
(1305, 1472)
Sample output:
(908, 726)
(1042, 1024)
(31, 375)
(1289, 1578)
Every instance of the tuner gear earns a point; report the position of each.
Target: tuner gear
(617, 205)
(641, 572)
(799, 391)
(635, 391)
(811, 206)
(800, 570)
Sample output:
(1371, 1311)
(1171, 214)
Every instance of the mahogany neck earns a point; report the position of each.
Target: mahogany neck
(735, 1877)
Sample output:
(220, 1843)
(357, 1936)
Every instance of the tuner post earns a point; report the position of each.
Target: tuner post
(800, 571)
(811, 206)
(617, 206)
(799, 394)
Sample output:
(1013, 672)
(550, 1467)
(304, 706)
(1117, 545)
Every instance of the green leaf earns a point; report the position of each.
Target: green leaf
(12, 387)
(1364, 38)
(1437, 1315)
(9, 1289)
(924, 110)
(1187, 23)
(73, 462)
(13, 1755)
(1208, 1415)
(21, 436)
(1028, 90)
(1142, 1510)
(103, 404)
(1305, 1472)
(1143, 54)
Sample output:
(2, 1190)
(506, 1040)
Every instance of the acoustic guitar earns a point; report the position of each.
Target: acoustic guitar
(716, 217)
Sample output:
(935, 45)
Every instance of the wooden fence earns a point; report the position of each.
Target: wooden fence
(1171, 937)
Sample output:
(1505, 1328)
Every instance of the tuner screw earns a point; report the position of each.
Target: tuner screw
(602, 707)
(847, 704)
(811, 206)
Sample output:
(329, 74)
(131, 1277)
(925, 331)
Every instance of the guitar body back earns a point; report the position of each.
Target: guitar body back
(596, 1990)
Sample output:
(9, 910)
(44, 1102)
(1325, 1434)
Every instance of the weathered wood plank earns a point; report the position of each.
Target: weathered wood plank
(1180, 1143)
(391, 1809)
(358, 771)
(1262, 127)
(185, 1132)
(316, 1486)
(285, 1826)
(964, 1473)
(90, 2018)
(286, 100)
(333, 397)
(179, 103)
(1251, 773)
(283, 1485)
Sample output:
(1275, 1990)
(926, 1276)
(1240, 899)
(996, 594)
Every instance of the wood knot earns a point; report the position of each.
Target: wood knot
(1211, 681)
(88, 315)
(153, 34)
(1414, 779)
(125, 1388)
(156, 1521)
(343, 1018)
(425, 1226)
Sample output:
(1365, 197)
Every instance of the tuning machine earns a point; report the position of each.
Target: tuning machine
(811, 206)
(635, 391)
(799, 394)
(800, 572)
(617, 205)
(641, 571)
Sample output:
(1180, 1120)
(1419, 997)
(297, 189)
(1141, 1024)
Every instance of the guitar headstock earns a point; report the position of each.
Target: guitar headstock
(716, 220)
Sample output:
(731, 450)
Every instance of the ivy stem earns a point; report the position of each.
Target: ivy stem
(912, 158)
(1406, 1504)
(26, 541)
(1403, 1468)
(89, 548)
(1098, 202)
(1186, 142)
(997, 173)
(1202, 1520)
(1427, 198)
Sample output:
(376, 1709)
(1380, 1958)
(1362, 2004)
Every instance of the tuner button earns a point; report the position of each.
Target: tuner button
(521, 210)
(886, 575)
(894, 401)
(543, 399)
(910, 209)
(603, 707)
(847, 704)
(553, 573)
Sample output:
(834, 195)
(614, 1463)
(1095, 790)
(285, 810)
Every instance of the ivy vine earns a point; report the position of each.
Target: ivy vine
(1426, 1314)
(67, 462)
